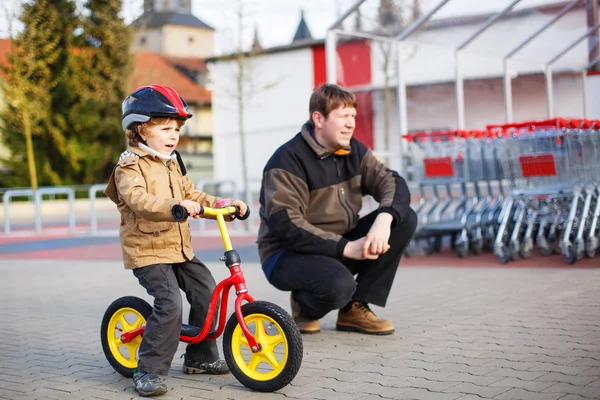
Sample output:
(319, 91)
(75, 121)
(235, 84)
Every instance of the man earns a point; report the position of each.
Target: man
(311, 240)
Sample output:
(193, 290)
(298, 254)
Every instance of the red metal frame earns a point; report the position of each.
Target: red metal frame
(236, 280)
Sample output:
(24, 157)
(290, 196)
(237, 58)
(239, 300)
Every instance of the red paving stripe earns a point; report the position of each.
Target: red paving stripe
(199, 243)
(488, 260)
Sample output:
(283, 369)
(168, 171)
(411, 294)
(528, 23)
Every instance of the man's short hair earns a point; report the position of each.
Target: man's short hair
(328, 97)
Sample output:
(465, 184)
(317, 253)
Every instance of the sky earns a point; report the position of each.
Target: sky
(275, 20)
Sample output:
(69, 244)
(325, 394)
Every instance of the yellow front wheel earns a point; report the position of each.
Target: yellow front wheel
(123, 315)
(280, 355)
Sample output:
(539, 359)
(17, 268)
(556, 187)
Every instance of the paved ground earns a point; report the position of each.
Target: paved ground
(465, 330)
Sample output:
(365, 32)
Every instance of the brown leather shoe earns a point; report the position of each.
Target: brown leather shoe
(360, 318)
(305, 325)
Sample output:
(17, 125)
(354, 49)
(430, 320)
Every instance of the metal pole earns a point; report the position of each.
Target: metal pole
(402, 101)
(418, 23)
(460, 95)
(584, 92)
(593, 40)
(331, 56)
(549, 88)
(549, 92)
(575, 43)
(584, 83)
(508, 99)
(341, 19)
(460, 91)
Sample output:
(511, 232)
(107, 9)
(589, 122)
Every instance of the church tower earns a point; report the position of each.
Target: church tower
(168, 27)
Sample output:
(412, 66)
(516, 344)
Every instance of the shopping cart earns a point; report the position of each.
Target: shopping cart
(551, 167)
(453, 164)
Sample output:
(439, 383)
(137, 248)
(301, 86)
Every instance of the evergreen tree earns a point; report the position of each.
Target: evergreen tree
(33, 70)
(66, 78)
(104, 68)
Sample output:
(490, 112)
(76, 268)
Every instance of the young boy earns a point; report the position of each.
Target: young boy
(147, 182)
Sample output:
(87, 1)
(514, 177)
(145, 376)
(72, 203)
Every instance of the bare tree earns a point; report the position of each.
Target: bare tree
(394, 16)
(247, 83)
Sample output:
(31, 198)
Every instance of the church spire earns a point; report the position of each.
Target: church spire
(302, 33)
(256, 42)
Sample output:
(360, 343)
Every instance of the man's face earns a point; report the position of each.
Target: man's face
(335, 131)
(163, 137)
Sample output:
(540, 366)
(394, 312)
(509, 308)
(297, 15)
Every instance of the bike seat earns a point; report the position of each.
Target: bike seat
(191, 331)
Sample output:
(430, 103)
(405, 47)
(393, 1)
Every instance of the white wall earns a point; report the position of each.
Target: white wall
(281, 84)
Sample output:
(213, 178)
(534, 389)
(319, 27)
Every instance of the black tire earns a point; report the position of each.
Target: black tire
(137, 311)
(257, 313)
(570, 255)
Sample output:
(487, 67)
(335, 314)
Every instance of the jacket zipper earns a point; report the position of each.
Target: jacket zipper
(178, 225)
(340, 194)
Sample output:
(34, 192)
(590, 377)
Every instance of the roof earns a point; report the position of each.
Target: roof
(302, 32)
(153, 68)
(160, 19)
(5, 45)
(190, 63)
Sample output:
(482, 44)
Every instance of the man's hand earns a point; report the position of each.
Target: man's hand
(191, 207)
(376, 242)
(355, 250)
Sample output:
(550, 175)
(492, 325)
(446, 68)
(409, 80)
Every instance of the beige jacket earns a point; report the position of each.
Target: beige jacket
(145, 187)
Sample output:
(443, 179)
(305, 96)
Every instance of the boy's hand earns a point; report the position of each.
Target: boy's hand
(191, 207)
(242, 206)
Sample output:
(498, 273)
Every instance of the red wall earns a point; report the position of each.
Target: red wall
(353, 69)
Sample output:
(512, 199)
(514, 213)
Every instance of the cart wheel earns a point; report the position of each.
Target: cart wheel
(428, 246)
(570, 255)
(591, 246)
(544, 246)
(502, 254)
(462, 248)
(526, 248)
(437, 244)
(123, 315)
(489, 238)
(277, 362)
(477, 246)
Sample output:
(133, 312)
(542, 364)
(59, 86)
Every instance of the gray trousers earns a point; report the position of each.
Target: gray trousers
(164, 282)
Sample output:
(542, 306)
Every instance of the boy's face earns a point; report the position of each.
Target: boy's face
(335, 131)
(163, 137)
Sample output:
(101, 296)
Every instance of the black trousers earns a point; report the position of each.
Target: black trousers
(320, 284)
(164, 282)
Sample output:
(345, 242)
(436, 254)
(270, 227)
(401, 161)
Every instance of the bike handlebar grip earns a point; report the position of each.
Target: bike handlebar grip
(237, 213)
(179, 213)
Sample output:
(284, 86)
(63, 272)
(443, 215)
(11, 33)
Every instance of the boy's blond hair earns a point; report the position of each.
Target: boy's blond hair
(135, 139)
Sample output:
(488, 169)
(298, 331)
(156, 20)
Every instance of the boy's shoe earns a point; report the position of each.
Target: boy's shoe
(360, 318)
(149, 384)
(218, 367)
(305, 325)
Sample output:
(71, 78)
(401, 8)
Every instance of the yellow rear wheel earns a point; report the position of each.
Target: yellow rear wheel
(280, 355)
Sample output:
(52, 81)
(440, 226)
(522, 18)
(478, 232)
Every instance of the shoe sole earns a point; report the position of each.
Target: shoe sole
(197, 371)
(345, 328)
(311, 332)
(151, 394)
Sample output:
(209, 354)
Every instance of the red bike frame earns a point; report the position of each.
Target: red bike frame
(236, 279)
